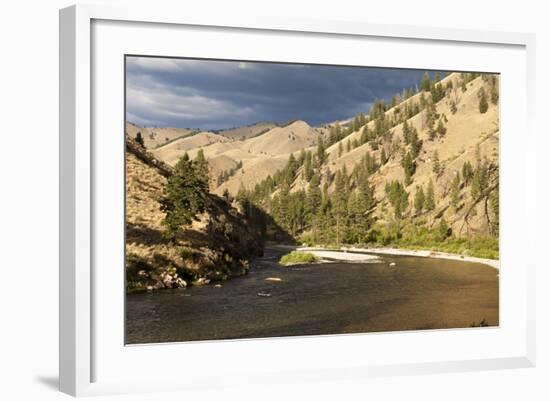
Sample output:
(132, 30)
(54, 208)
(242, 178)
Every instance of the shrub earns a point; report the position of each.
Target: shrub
(296, 257)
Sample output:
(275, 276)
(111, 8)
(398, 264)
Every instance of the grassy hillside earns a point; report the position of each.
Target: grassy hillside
(215, 247)
(420, 172)
(155, 137)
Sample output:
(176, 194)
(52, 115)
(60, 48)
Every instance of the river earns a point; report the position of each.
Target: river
(327, 298)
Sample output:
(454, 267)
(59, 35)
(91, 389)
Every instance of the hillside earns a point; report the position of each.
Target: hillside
(216, 247)
(438, 142)
(155, 137)
(466, 129)
(420, 171)
(171, 152)
(247, 131)
(243, 162)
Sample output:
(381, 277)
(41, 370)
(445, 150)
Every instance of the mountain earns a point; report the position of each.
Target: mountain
(417, 171)
(247, 131)
(171, 152)
(215, 247)
(420, 171)
(155, 137)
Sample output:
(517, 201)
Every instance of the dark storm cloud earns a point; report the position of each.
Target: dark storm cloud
(222, 94)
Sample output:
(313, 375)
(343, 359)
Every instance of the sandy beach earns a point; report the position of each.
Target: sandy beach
(354, 254)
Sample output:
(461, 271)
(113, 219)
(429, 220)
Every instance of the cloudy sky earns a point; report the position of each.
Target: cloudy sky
(223, 94)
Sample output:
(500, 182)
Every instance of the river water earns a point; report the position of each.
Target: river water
(329, 298)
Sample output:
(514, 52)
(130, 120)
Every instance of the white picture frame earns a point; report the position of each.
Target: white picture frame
(90, 358)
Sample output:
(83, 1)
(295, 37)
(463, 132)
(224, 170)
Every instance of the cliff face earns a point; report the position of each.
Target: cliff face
(216, 247)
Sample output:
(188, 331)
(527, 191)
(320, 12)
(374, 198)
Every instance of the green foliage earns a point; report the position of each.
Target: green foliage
(186, 193)
(321, 154)
(467, 172)
(455, 191)
(436, 164)
(308, 170)
(296, 257)
(429, 203)
(398, 197)
(440, 238)
(479, 181)
(425, 83)
(409, 167)
(419, 200)
(495, 210)
(227, 174)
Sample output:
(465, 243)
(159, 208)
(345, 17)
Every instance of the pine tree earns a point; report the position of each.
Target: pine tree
(467, 172)
(348, 146)
(429, 203)
(340, 202)
(419, 199)
(425, 84)
(406, 132)
(455, 190)
(186, 193)
(313, 196)
(139, 140)
(436, 165)
(321, 155)
(226, 195)
(443, 231)
(416, 144)
(483, 105)
(340, 149)
(441, 130)
(409, 167)
(308, 166)
(201, 165)
(495, 208)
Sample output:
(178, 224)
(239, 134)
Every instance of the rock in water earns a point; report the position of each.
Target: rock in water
(392, 264)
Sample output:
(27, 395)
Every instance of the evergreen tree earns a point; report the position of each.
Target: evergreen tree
(139, 140)
(406, 132)
(308, 166)
(340, 196)
(186, 193)
(409, 167)
(226, 195)
(419, 199)
(398, 197)
(348, 146)
(436, 165)
(201, 165)
(455, 190)
(314, 196)
(321, 155)
(425, 83)
(340, 149)
(495, 209)
(443, 231)
(441, 130)
(429, 203)
(467, 172)
(483, 105)
(416, 144)
(480, 181)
